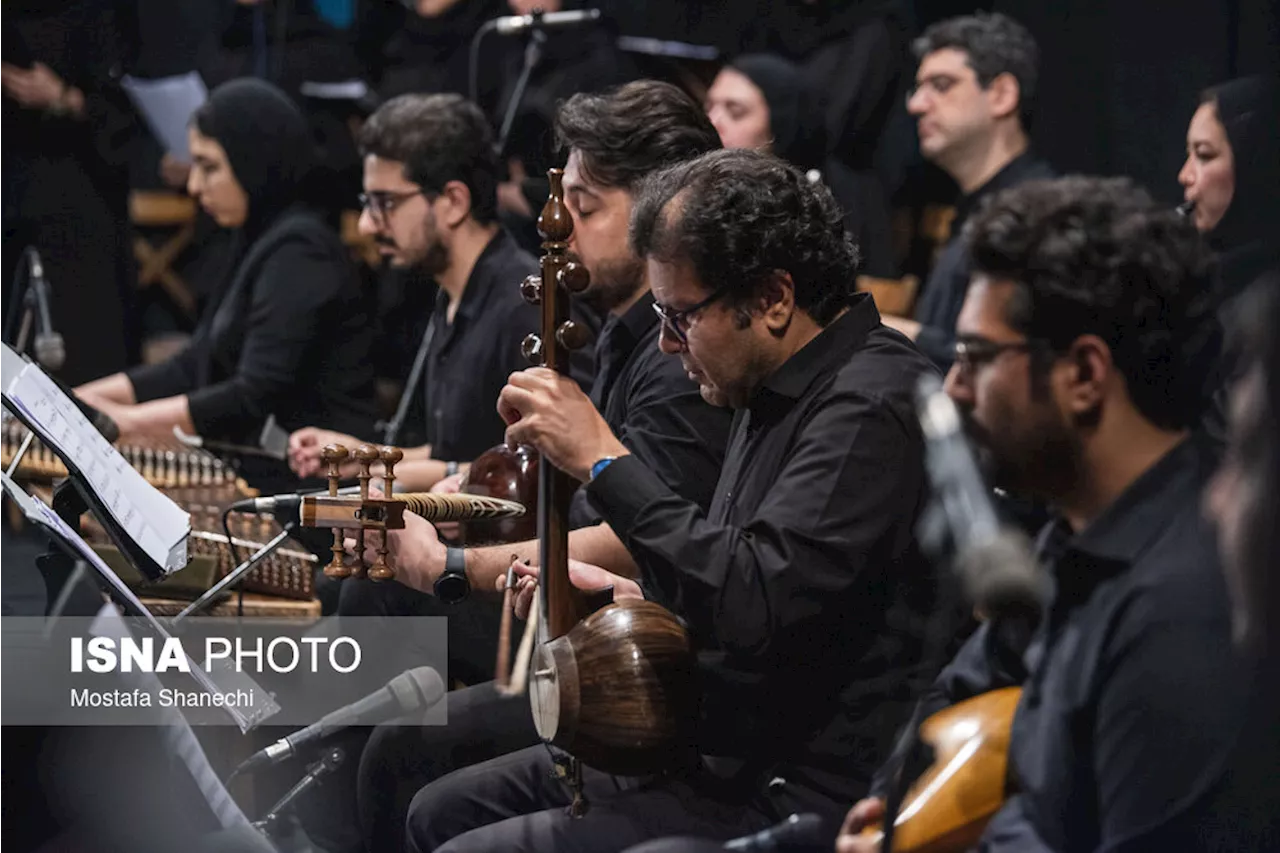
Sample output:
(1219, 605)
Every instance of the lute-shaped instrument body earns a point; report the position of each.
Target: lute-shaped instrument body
(949, 806)
(613, 687)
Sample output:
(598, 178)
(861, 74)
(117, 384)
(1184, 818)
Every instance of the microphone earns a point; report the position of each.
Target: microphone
(49, 348)
(412, 690)
(994, 561)
(511, 25)
(283, 508)
(798, 832)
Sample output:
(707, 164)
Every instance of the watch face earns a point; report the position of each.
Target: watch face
(452, 587)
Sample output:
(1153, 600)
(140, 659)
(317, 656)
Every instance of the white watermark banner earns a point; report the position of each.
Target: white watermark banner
(214, 671)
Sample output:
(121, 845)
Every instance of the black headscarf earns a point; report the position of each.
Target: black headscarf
(268, 145)
(1248, 236)
(795, 113)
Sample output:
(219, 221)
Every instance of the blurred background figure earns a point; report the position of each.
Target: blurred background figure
(67, 128)
(763, 101)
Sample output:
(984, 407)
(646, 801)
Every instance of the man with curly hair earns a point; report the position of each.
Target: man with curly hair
(1081, 356)
(802, 587)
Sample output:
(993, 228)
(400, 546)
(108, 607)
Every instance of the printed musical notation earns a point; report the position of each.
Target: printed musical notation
(149, 517)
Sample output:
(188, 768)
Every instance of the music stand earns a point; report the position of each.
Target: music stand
(64, 537)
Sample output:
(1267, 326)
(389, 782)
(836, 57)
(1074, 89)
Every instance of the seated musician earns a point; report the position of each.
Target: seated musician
(802, 583)
(973, 101)
(289, 333)
(1082, 350)
(430, 184)
(1241, 813)
(613, 139)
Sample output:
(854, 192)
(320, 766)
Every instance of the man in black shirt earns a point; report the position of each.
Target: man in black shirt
(801, 586)
(1081, 362)
(430, 181)
(645, 396)
(973, 99)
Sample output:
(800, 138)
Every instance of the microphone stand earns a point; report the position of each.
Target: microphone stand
(315, 772)
(234, 576)
(392, 429)
(532, 56)
(24, 294)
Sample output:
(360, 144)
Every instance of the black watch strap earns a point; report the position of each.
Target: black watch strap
(452, 586)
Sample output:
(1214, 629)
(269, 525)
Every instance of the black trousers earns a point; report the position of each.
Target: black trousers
(402, 758)
(514, 803)
(362, 805)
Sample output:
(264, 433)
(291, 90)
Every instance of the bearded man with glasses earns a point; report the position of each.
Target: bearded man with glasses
(1084, 358)
(430, 202)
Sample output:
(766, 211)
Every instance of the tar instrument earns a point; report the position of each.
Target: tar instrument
(611, 683)
(948, 807)
(364, 512)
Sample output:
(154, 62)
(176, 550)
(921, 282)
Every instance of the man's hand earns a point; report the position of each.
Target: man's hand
(583, 576)
(416, 553)
(449, 486)
(37, 87)
(549, 411)
(306, 446)
(863, 814)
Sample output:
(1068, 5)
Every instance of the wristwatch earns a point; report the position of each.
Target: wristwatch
(453, 587)
(597, 468)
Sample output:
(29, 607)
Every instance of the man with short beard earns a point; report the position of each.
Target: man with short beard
(1082, 351)
(430, 202)
(614, 140)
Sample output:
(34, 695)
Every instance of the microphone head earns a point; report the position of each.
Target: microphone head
(35, 266)
(1001, 576)
(50, 350)
(417, 689)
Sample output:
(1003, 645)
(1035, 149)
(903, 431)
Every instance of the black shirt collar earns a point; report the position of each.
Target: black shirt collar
(1124, 531)
(827, 352)
(479, 282)
(1022, 168)
(640, 318)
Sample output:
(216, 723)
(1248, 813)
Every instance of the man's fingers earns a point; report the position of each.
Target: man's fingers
(525, 591)
(514, 402)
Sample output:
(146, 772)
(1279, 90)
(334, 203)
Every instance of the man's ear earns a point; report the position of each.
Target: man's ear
(458, 203)
(1004, 95)
(1092, 371)
(778, 301)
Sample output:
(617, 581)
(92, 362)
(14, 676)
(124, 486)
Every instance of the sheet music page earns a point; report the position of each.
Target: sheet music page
(156, 523)
(220, 680)
(167, 104)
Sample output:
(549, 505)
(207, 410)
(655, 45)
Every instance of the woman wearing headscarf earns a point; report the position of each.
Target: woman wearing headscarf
(1231, 184)
(763, 101)
(289, 335)
(1232, 178)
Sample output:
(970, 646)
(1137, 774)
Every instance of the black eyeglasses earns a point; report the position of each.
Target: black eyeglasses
(678, 321)
(971, 353)
(937, 84)
(381, 204)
